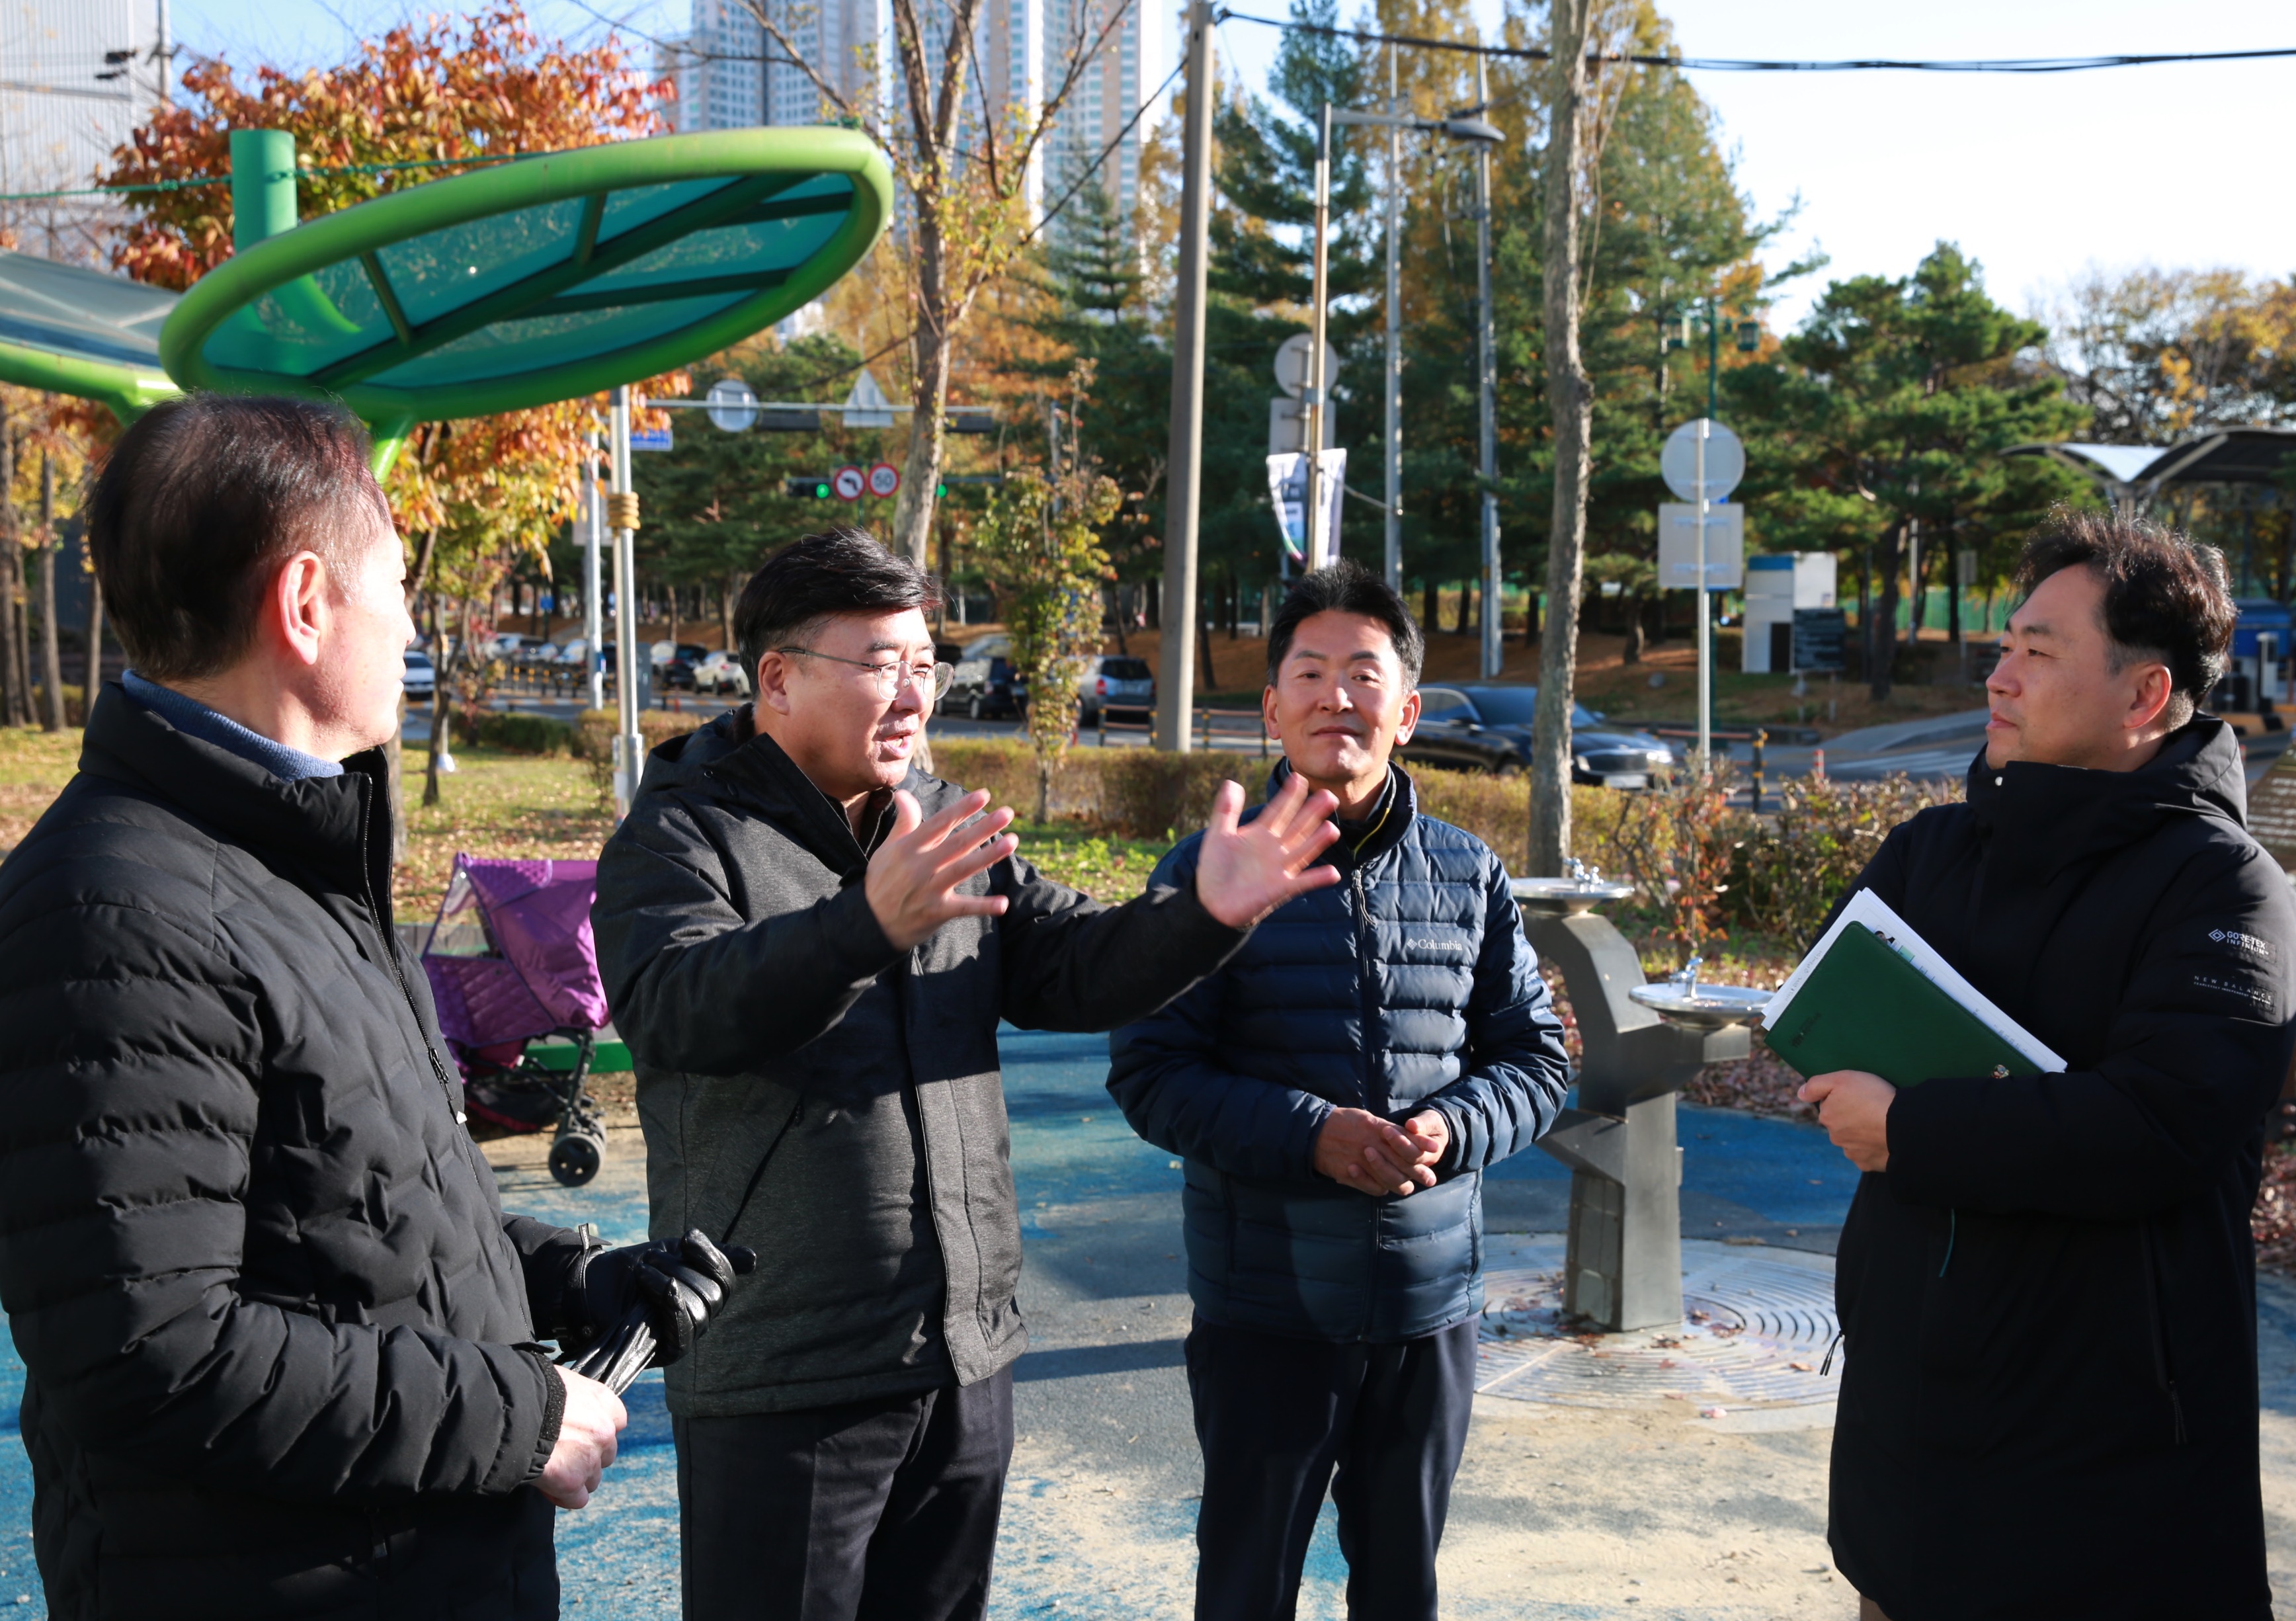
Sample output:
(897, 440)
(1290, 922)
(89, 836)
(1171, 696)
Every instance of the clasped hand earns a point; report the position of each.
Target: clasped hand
(1361, 1150)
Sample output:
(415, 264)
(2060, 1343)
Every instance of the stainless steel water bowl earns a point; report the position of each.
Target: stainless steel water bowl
(1703, 1007)
(1566, 897)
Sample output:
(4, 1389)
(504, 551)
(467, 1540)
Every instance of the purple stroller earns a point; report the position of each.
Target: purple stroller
(515, 974)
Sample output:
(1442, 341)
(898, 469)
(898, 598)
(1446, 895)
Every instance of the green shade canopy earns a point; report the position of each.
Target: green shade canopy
(539, 280)
(73, 331)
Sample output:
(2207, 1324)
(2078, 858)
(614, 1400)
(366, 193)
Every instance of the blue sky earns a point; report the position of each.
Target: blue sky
(2038, 177)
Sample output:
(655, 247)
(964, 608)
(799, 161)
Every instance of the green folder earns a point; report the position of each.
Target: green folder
(1863, 1007)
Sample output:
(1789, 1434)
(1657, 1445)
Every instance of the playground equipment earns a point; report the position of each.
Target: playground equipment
(544, 278)
(1640, 1044)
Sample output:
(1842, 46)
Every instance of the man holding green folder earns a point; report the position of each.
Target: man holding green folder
(2047, 1283)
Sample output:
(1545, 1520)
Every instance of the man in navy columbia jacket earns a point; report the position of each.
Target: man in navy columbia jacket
(1336, 1090)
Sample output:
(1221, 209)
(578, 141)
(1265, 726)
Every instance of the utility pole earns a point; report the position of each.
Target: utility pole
(1312, 417)
(629, 743)
(1394, 404)
(1487, 386)
(1176, 686)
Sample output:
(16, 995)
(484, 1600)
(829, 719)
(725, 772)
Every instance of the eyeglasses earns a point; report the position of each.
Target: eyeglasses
(890, 678)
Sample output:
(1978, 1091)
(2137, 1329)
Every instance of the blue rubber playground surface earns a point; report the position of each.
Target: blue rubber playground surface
(1104, 1296)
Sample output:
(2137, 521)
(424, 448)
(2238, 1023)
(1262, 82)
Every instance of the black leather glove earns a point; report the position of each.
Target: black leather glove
(676, 1282)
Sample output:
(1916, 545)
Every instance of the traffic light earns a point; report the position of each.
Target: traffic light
(807, 489)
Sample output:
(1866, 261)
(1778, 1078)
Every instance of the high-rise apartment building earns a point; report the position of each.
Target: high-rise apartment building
(78, 75)
(725, 78)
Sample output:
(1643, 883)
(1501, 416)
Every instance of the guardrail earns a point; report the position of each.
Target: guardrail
(1236, 729)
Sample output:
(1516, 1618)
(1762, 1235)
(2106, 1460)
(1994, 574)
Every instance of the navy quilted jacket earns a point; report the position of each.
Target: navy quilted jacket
(1406, 986)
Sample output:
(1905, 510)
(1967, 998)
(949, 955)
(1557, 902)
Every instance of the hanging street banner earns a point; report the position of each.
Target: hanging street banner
(1677, 547)
(1287, 490)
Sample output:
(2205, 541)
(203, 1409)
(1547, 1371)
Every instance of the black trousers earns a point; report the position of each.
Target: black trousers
(883, 1511)
(1278, 1418)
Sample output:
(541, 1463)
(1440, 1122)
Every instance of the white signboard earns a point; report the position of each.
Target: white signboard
(1726, 461)
(1287, 426)
(733, 405)
(1287, 489)
(1677, 547)
(1291, 356)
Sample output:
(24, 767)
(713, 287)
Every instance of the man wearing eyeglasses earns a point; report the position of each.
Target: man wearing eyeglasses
(809, 944)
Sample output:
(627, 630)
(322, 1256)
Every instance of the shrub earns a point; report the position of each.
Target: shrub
(593, 739)
(519, 734)
(1676, 842)
(1789, 871)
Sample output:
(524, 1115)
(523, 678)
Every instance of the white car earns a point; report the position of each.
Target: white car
(722, 672)
(421, 678)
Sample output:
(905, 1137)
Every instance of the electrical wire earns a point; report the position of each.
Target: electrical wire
(1731, 64)
(300, 174)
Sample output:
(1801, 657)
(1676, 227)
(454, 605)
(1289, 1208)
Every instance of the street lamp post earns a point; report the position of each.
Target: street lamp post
(1486, 388)
(1464, 126)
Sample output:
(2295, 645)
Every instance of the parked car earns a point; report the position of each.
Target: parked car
(721, 673)
(1117, 685)
(575, 653)
(422, 677)
(509, 644)
(674, 674)
(983, 686)
(1487, 728)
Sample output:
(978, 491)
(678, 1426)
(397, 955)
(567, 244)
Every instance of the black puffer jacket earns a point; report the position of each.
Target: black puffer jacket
(1407, 986)
(269, 1311)
(833, 1103)
(2049, 1399)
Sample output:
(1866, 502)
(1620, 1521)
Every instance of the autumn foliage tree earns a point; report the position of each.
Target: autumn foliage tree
(424, 101)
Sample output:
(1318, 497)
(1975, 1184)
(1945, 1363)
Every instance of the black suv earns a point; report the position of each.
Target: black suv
(983, 686)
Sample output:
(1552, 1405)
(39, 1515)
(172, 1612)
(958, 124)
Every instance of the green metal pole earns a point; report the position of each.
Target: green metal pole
(262, 186)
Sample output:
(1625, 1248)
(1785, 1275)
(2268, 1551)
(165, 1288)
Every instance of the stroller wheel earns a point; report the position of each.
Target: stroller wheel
(575, 1158)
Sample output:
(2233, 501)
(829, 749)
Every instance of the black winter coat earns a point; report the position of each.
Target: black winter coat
(2049, 1399)
(270, 1313)
(833, 1103)
(1408, 985)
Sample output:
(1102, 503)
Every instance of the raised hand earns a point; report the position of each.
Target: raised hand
(1245, 872)
(914, 875)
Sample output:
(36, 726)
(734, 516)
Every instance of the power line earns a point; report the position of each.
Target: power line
(300, 174)
(1731, 64)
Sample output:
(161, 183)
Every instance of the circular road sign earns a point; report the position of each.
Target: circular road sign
(1726, 461)
(884, 478)
(550, 278)
(847, 483)
(1292, 364)
(733, 405)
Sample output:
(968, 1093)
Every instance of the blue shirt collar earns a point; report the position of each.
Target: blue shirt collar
(189, 715)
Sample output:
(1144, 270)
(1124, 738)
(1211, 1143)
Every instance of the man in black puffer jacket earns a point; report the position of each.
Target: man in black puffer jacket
(2047, 1284)
(1337, 1090)
(278, 1332)
(808, 942)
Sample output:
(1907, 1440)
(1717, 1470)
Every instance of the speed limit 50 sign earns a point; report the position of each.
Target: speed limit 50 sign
(884, 479)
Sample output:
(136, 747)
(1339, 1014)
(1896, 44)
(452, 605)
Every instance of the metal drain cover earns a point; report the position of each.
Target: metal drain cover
(1757, 1327)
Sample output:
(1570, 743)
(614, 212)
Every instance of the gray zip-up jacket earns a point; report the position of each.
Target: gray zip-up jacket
(835, 1104)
